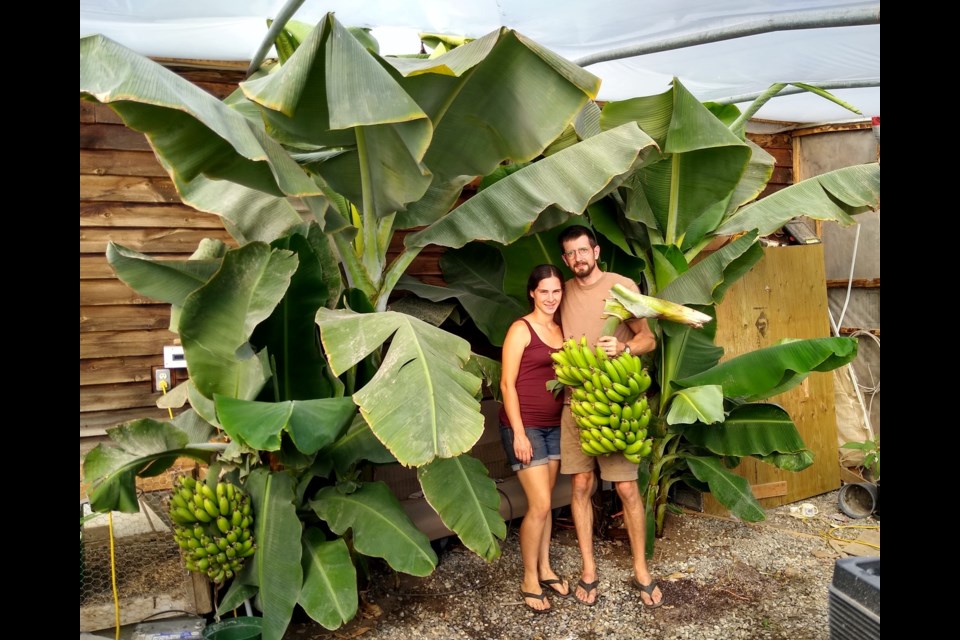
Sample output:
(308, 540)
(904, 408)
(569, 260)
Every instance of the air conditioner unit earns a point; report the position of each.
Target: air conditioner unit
(854, 603)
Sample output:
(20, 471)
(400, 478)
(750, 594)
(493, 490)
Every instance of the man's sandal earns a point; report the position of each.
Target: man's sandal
(588, 587)
(559, 582)
(647, 589)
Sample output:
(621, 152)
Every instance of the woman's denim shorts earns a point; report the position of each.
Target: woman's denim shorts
(545, 442)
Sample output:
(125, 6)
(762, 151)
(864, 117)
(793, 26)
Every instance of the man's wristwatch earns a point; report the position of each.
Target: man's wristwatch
(626, 348)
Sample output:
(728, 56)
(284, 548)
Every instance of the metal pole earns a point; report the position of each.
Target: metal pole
(811, 19)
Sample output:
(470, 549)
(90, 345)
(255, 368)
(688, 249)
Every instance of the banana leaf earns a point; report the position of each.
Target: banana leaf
(249, 215)
(191, 131)
(236, 593)
(668, 264)
(762, 430)
(217, 320)
(766, 372)
(755, 177)
(196, 428)
(707, 281)
(487, 97)
(488, 369)
(276, 564)
(518, 259)
(381, 528)
(797, 461)
(702, 163)
(836, 195)
(308, 105)
(290, 333)
(652, 113)
(474, 276)
(439, 198)
(357, 444)
(730, 490)
(568, 180)
(697, 404)
(685, 351)
(165, 280)
(461, 491)
(420, 404)
(329, 593)
(142, 448)
(311, 424)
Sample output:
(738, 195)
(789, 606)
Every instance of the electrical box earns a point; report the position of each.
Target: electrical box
(173, 357)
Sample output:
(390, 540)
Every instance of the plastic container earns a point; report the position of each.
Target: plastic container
(241, 628)
(858, 499)
(184, 628)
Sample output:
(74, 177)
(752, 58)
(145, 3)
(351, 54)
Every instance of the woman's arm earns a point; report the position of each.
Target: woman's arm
(518, 338)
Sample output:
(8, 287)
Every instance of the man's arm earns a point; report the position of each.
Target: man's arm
(643, 340)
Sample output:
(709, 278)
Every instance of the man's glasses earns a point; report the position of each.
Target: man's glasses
(582, 252)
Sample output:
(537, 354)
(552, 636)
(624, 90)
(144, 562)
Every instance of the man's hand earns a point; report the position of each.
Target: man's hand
(611, 346)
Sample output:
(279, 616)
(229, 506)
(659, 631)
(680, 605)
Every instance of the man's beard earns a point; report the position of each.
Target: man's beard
(584, 269)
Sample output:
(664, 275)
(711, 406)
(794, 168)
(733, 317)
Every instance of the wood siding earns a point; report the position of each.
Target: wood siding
(780, 146)
(127, 198)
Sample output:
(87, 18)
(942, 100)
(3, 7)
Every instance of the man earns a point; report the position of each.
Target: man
(581, 314)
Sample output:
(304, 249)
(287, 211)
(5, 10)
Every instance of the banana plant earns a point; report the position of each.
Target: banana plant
(652, 227)
(314, 165)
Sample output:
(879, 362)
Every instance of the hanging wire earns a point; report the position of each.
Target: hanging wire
(113, 554)
(113, 577)
(836, 324)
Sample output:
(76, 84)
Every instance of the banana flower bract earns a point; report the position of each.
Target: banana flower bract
(626, 304)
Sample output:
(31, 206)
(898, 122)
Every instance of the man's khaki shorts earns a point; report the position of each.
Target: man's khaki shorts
(613, 467)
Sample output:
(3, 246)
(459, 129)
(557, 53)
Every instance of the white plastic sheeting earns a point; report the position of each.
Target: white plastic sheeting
(720, 70)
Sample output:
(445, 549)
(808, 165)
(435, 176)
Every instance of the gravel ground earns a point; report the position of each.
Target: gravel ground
(721, 579)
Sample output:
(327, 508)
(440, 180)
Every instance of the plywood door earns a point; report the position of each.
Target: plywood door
(785, 296)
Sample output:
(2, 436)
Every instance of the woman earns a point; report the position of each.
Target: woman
(530, 428)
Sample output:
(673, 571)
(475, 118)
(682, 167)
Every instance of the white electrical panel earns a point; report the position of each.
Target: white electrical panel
(173, 357)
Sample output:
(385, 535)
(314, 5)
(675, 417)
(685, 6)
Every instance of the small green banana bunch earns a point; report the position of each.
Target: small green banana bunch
(607, 399)
(214, 527)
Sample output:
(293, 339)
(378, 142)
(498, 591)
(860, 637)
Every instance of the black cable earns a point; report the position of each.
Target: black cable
(162, 613)
(509, 505)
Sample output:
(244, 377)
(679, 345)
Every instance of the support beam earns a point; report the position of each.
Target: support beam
(788, 21)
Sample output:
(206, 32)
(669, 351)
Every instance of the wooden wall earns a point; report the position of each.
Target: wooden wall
(780, 146)
(126, 197)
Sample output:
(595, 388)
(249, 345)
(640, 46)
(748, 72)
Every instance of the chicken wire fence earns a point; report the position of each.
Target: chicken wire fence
(151, 578)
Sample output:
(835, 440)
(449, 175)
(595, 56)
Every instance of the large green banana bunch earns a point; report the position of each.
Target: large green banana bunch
(607, 399)
(214, 527)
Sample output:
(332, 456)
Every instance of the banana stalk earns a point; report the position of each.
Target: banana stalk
(626, 304)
